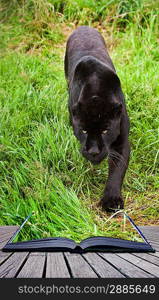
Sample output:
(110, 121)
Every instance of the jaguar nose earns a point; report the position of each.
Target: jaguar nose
(94, 151)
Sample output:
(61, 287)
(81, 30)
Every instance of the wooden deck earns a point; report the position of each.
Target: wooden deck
(89, 265)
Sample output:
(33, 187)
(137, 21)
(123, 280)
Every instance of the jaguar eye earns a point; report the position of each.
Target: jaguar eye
(104, 131)
(84, 131)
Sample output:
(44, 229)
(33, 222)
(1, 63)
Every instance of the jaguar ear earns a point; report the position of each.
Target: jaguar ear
(84, 68)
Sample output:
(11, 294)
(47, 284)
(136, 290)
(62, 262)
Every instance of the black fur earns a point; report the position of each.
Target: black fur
(97, 108)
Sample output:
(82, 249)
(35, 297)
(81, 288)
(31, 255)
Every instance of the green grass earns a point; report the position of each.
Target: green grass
(41, 168)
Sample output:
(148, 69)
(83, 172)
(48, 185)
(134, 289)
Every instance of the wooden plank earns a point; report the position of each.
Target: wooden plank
(151, 232)
(5, 238)
(155, 254)
(79, 267)
(154, 245)
(8, 229)
(149, 229)
(56, 266)
(148, 257)
(34, 266)
(102, 268)
(141, 263)
(128, 269)
(4, 242)
(4, 256)
(153, 242)
(11, 266)
(6, 232)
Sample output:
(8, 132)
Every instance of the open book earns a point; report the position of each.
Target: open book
(92, 244)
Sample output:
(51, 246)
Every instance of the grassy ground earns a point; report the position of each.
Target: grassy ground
(41, 168)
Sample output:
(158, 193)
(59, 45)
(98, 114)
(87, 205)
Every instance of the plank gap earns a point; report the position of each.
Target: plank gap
(44, 269)
(22, 265)
(68, 265)
(5, 257)
(136, 265)
(147, 258)
(118, 269)
(91, 266)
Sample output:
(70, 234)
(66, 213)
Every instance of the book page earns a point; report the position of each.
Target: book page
(117, 226)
